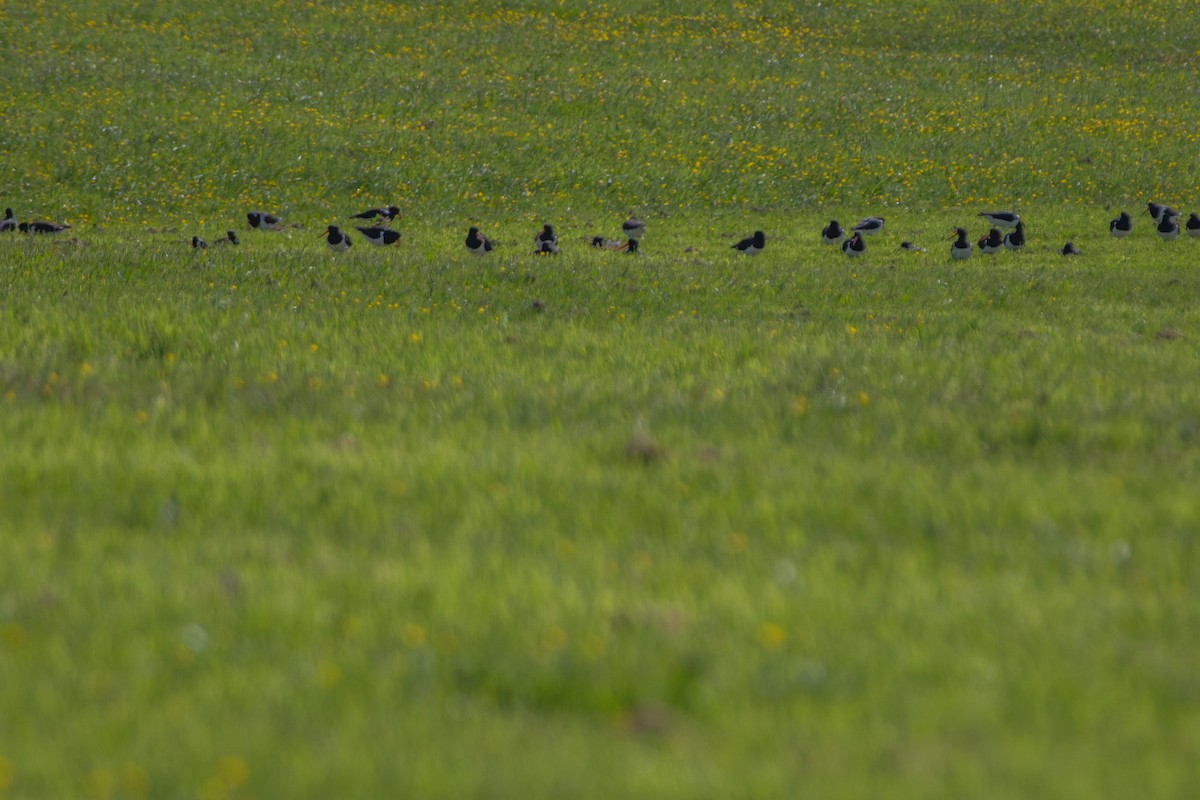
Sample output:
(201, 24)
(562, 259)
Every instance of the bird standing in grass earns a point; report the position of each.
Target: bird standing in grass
(198, 243)
(9, 223)
(546, 241)
(1001, 219)
(1193, 225)
(386, 215)
(833, 232)
(1015, 239)
(477, 243)
(1121, 226)
(961, 247)
(854, 246)
(1069, 249)
(263, 221)
(379, 235)
(751, 245)
(338, 242)
(1158, 211)
(1168, 228)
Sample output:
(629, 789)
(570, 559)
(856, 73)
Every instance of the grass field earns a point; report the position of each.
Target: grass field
(277, 522)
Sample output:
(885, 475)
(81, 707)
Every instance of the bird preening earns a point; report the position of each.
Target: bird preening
(855, 245)
(546, 241)
(477, 243)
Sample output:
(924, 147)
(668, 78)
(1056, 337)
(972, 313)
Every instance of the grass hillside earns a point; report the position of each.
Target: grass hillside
(280, 522)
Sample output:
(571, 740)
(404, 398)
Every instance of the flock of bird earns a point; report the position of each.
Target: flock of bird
(852, 241)
(1166, 222)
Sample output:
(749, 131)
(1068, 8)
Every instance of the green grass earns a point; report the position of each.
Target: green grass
(280, 523)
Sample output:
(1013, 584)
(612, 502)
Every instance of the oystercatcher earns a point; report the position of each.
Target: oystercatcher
(386, 215)
(1121, 226)
(477, 243)
(833, 232)
(751, 245)
(263, 221)
(1001, 219)
(1015, 239)
(854, 246)
(992, 243)
(912, 248)
(1158, 211)
(198, 243)
(633, 228)
(1168, 228)
(337, 241)
(379, 235)
(42, 227)
(546, 241)
(869, 226)
(1069, 249)
(8, 224)
(961, 248)
(613, 244)
(1193, 225)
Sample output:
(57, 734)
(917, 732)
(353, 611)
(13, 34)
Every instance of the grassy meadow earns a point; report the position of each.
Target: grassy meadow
(278, 522)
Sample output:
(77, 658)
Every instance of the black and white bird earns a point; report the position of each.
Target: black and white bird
(1193, 225)
(833, 232)
(854, 246)
(263, 221)
(614, 244)
(1015, 239)
(992, 243)
(1121, 226)
(477, 243)
(633, 228)
(1168, 228)
(961, 247)
(386, 215)
(1158, 211)
(337, 241)
(868, 226)
(546, 241)
(9, 223)
(379, 235)
(1069, 249)
(198, 243)
(912, 248)
(1001, 219)
(42, 227)
(751, 245)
